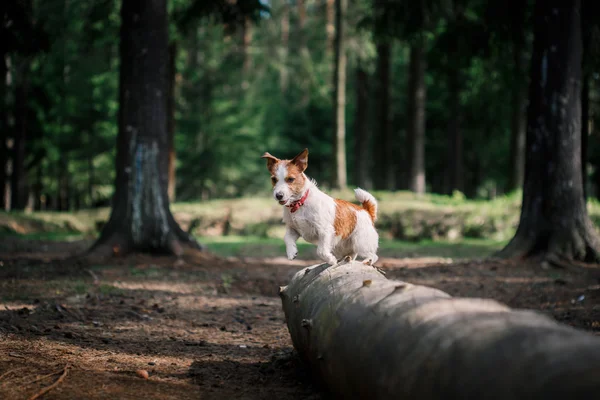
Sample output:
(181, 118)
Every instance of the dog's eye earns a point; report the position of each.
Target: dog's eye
(289, 180)
(273, 179)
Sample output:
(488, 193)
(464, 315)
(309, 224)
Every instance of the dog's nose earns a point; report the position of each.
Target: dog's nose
(279, 196)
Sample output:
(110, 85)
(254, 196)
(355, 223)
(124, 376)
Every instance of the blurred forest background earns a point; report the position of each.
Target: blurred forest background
(417, 96)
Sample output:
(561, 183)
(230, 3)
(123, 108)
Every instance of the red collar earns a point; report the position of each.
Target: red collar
(297, 204)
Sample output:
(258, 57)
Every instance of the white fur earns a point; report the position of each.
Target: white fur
(314, 222)
(281, 187)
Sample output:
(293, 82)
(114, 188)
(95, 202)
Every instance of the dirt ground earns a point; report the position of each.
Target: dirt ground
(203, 327)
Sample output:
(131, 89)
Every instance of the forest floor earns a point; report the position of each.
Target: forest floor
(209, 327)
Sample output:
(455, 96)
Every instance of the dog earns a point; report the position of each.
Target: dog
(341, 230)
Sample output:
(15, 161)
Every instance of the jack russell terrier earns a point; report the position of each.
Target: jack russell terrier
(340, 229)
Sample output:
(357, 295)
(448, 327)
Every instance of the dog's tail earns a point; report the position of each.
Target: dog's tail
(368, 202)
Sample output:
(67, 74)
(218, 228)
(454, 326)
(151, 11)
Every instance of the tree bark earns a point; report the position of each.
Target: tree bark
(64, 187)
(302, 22)
(585, 131)
(383, 174)
(38, 189)
(454, 157)
(417, 93)
(554, 222)
(171, 108)
(362, 161)
(339, 82)
(246, 41)
(90, 169)
(365, 336)
(140, 219)
(519, 96)
(285, 43)
(18, 177)
(3, 129)
(304, 54)
(329, 25)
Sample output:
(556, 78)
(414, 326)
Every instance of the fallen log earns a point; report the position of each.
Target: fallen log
(368, 337)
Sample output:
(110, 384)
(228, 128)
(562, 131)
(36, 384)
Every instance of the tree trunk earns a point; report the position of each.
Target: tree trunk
(585, 131)
(383, 176)
(519, 105)
(329, 25)
(304, 54)
(339, 82)
(140, 218)
(246, 41)
(171, 108)
(38, 188)
(64, 187)
(90, 169)
(3, 129)
(302, 22)
(362, 160)
(417, 93)
(285, 43)
(454, 157)
(367, 337)
(554, 222)
(18, 178)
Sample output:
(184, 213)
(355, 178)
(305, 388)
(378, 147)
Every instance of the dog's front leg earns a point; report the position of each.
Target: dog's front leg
(325, 247)
(290, 243)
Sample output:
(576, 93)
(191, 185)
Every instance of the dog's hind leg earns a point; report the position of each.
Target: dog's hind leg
(370, 259)
(348, 258)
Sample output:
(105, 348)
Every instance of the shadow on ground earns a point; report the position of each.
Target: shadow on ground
(209, 328)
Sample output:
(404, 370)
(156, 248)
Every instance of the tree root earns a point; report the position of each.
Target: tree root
(556, 248)
(118, 245)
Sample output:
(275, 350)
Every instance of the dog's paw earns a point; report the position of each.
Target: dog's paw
(291, 255)
(345, 260)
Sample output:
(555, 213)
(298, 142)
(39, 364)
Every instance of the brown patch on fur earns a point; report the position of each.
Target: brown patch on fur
(295, 173)
(272, 161)
(295, 168)
(301, 160)
(345, 217)
(371, 209)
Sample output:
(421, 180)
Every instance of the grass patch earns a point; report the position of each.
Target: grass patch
(110, 290)
(242, 246)
(402, 215)
(47, 236)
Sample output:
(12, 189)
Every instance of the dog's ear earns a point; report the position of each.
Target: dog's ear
(301, 160)
(271, 161)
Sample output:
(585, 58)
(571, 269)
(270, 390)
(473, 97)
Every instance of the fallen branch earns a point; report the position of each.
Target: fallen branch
(365, 336)
(41, 378)
(12, 371)
(54, 385)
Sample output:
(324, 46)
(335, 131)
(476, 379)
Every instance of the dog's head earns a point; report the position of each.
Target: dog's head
(287, 176)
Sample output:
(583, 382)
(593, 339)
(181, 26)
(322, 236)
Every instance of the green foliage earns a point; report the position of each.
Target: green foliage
(231, 105)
